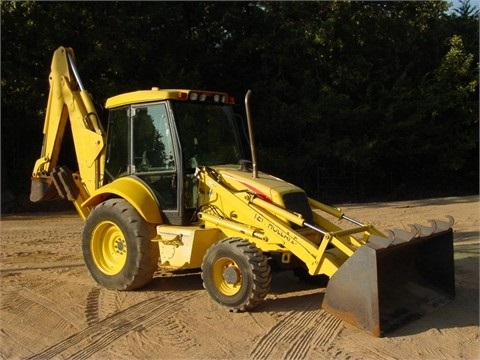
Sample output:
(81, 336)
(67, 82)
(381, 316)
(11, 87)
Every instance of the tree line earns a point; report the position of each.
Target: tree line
(352, 100)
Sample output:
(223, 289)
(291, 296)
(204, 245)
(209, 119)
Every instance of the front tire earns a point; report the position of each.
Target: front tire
(117, 246)
(236, 274)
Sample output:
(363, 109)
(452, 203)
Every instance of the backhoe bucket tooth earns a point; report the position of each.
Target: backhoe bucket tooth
(379, 289)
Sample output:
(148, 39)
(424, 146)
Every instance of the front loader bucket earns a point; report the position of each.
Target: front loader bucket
(380, 288)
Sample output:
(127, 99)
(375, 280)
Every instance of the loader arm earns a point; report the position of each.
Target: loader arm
(69, 102)
(268, 225)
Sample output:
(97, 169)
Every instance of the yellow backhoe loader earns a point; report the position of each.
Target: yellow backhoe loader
(167, 185)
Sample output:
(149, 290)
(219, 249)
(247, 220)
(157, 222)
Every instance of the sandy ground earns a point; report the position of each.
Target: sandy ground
(52, 309)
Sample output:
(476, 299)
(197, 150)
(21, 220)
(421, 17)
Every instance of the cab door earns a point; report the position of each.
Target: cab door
(142, 143)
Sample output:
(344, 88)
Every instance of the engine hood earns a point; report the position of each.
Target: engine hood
(266, 186)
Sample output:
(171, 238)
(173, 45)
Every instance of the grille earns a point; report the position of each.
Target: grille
(298, 202)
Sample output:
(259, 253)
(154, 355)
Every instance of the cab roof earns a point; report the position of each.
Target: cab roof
(156, 94)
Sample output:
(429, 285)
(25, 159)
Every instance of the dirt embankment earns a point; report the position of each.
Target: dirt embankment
(51, 307)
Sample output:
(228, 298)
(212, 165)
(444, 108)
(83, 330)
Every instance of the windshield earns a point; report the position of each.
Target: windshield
(208, 134)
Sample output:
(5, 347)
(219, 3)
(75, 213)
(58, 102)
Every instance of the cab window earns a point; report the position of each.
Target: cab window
(117, 140)
(152, 139)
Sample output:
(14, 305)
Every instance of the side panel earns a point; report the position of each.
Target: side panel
(132, 190)
(184, 247)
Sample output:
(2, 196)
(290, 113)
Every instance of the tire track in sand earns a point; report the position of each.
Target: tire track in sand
(51, 307)
(101, 303)
(101, 334)
(92, 307)
(298, 335)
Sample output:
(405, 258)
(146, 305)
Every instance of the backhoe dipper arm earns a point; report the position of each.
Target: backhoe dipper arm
(68, 100)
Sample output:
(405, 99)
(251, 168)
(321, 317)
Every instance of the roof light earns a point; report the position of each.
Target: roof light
(203, 97)
(182, 95)
(193, 96)
(216, 98)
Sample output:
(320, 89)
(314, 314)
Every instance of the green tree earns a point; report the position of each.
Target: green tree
(351, 100)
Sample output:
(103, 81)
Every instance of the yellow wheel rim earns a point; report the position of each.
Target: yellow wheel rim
(227, 276)
(108, 248)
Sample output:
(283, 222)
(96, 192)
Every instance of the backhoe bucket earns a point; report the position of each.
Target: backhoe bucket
(381, 288)
(43, 189)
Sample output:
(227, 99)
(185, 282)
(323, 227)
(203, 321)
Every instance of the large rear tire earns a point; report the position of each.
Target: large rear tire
(236, 274)
(117, 246)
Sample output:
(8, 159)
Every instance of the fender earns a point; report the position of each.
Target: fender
(135, 192)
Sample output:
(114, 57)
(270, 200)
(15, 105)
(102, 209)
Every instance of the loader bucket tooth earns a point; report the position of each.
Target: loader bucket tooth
(444, 225)
(401, 236)
(437, 226)
(381, 242)
(379, 289)
(426, 230)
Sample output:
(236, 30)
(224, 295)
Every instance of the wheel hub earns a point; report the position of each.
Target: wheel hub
(120, 246)
(231, 275)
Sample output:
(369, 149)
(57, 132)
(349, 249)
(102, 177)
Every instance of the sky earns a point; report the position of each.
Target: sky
(472, 2)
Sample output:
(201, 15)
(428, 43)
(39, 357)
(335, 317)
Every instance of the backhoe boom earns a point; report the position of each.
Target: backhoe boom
(69, 102)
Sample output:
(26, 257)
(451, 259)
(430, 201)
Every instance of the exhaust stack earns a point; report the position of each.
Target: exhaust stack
(250, 135)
